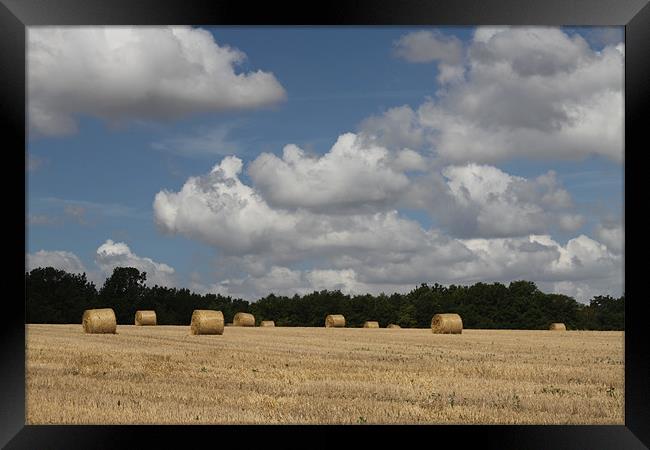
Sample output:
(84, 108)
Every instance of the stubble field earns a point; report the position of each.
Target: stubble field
(163, 375)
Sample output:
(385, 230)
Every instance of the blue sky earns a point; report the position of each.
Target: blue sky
(97, 181)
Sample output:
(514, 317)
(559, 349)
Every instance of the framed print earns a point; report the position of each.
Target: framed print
(304, 219)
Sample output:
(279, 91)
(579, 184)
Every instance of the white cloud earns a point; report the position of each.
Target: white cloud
(260, 244)
(580, 259)
(448, 73)
(120, 73)
(58, 259)
(220, 210)
(529, 92)
(407, 160)
(581, 268)
(395, 129)
(531, 51)
(571, 222)
(117, 254)
(351, 175)
(474, 200)
(612, 235)
(357, 177)
(429, 46)
(484, 34)
(505, 205)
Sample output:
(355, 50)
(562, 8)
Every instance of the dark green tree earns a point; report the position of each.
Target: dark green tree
(608, 312)
(406, 316)
(124, 291)
(55, 296)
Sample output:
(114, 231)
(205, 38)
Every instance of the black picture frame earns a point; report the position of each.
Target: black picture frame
(16, 15)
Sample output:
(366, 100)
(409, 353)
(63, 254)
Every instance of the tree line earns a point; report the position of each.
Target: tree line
(56, 296)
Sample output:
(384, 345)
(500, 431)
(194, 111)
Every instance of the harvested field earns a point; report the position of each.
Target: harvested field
(163, 374)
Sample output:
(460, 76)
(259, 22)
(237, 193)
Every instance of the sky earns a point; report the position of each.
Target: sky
(251, 160)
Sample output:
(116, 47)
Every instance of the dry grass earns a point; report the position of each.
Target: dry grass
(318, 375)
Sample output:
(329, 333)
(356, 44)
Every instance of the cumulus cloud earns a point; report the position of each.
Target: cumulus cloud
(531, 92)
(349, 176)
(58, 259)
(118, 254)
(429, 46)
(219, 209)
(355, 178)
(581, 268)
(582, 258)
(476, 200)
(397, 128)
(486, 201)
(120, 73)
(365, 251)
(448, 73)
(612, 234)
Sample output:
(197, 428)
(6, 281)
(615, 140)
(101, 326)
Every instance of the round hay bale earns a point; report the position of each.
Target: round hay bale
(393, 325)
(370, 324)
(335, 321)
(447, 324)
(557, 326)
(145, 318)
(243, 319)
(267, 323)
(99, 321)
(206, 321)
